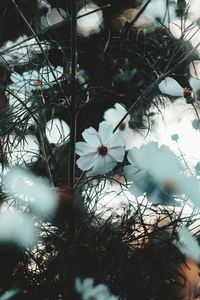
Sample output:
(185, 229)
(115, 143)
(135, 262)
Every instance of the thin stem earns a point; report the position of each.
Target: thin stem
(73, 113)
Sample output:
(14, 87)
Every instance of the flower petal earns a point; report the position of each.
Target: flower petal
(82, 148)
(15, 77)
(86, 162)
(103, 165)
(194, 83)
(117, 153)
(91, 136)
(117, 140)
(105, 132)
(170, 86)
(133, 173)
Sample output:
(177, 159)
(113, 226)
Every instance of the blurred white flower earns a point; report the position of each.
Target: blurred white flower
(160, 162)
(20, 111)
(114, 115)
(195, 75)
(8, 295)
(161, 12)
(34, 191)
(187, 30)
(190, 187)
(57, 131)
(193, 9)
(153, 171)
(170, 86)
(22, 151)
(101, 150)
(21, 51)
(88, 291)
(188, 245)
(43, 4)
(34, 80)
(91, 23)
(18, 228)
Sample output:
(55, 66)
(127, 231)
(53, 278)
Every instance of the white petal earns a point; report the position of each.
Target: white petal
(105, 132)
(194, 83)
(136, 190)
(188, 245)
(190, 186)
(57, 131)
(91, 23)
(117, 140)
(111, 116)
(86, 162)
(131, 155)
(15, 77)
(91, 136)
(133, 173)
(122, 111)
(170, 86)
(117, 153)
(32, 190)
(195, 69)
(103, 165)
(82, 148)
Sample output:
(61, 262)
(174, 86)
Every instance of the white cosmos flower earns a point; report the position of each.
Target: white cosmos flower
(21, 51)
(88, 291)
(101, 150)
(114, 115)
(57, 131)
(34, 80)
(160, 162)
(22, 185)
(170, 86)
(89, 24)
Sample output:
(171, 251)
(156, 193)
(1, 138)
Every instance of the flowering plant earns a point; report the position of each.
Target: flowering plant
(87, 219)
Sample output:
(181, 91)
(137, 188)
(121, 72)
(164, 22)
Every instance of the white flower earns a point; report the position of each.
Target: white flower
(87, 290)
(29, 189)
(188, 31)
(160, 162)
(21, 51)
(153, 171)
(114, 115)
(158, 10)
(170, 86)
(101, 150)
(91, 23)
(34, 80)
(57, 131)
